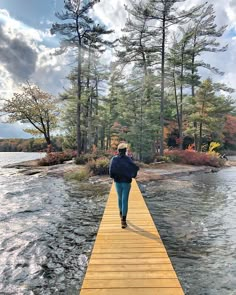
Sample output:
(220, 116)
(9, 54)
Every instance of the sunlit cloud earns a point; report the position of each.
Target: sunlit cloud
(25, 55)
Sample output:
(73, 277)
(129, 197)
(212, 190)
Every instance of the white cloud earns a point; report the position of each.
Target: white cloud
(46, 71)
(112, 14)
(50, 70)
(4, 14)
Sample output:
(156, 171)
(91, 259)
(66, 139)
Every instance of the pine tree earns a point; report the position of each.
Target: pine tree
(178, 65)
(210, 110)
(204, 34)
(165, 13)
(79, 31)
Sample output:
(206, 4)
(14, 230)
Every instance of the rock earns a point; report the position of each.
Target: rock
(31, 172)
(59, 270)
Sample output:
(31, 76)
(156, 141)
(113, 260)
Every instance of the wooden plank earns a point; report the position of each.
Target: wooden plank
(132, 235)
(129, 261)
(157, 274)
(131, 283)
(124, 255)
(129, 244)
(139, 250)
(133, 291)
(130, 267)
(139, 239)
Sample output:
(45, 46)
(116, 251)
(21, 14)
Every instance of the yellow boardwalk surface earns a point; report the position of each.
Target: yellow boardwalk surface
(132, 260)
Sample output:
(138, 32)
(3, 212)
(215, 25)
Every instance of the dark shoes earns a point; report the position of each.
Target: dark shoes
(123, 222)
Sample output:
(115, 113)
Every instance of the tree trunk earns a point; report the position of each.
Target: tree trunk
(49, 143)
(102, 139)
(90, 114)
(181, 101)
(79, 89)
(193, 93)
(200, 127)
(162, 86)
(200, 138)
(96, 112)
(141, 126)
(86, 143)
(176, 101)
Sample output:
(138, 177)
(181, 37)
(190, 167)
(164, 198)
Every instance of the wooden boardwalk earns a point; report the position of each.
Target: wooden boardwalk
(131, 261)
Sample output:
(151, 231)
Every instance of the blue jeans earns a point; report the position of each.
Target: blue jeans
(123, 189)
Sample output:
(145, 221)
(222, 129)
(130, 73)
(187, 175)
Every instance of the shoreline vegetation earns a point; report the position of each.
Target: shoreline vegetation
(149, 172)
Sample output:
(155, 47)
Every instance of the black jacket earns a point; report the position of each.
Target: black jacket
(122, 169)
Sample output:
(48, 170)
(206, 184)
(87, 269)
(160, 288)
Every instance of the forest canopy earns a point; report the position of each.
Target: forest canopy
(157, 90)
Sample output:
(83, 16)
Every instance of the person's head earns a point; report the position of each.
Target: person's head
(122, 147)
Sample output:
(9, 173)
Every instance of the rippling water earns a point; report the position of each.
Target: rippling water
(196, 217)
(47, 229)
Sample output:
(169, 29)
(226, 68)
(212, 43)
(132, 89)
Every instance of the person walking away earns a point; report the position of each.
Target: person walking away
(122, 169)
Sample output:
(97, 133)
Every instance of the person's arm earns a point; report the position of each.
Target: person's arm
(111, 168)
(135, 168)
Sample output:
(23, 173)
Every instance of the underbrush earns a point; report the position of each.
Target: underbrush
(78, 175)
(54, 158)
(99, 166)
(88, 157)
(194, 158)
(92, 168)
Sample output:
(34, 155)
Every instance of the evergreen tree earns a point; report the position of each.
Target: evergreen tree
(178, 65)
(210, 110)
(165, 13)
(204, 34)
(79, 31)
(91, 101)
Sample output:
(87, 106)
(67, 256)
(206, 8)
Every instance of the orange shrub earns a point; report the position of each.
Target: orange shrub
(194, 158)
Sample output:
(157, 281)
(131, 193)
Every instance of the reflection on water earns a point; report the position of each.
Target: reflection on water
(197, 222)
(47, 230)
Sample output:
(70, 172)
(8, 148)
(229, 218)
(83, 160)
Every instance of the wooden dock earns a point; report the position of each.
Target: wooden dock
(131, 261)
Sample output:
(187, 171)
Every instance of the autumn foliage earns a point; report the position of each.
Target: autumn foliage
(194, 158)
(230, 132)
(55, 158)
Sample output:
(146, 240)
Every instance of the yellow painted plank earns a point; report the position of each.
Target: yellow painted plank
(133, 291)
(122, 238)
(136, 234)
(126, 232)
(129, 255)
(97, 250)
(131, 261)
(130, 267)
(128, 244)
(120, 245)
(131, 275)
(131, 283)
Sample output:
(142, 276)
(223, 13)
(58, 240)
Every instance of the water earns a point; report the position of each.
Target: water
(47, 230)
(48, 226)
(11, 158)
(196, 217)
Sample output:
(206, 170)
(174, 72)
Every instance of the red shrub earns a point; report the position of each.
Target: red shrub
(56, 158)
(193, 158)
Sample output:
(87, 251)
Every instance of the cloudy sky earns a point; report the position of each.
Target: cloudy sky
(26, 45)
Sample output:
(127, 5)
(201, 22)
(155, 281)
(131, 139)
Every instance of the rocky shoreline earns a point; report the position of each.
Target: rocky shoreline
(156, 171)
